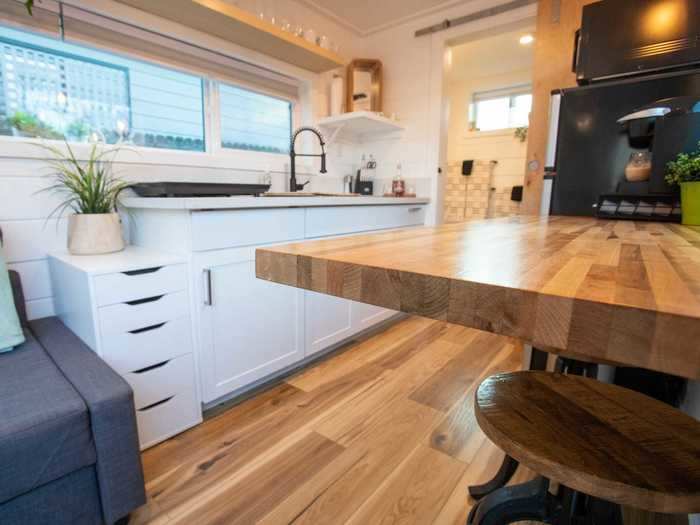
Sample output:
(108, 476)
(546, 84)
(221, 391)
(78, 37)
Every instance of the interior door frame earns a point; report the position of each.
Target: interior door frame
(439, 110)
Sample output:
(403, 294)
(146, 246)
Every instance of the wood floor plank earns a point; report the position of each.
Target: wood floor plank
(411, 346)
(415, 492)
(362, 353)
(394, 386)
(243, 445)
(252, 497)
(384, 448)
(203, 439)
(447, 386)
(458, 434)
(458, 504)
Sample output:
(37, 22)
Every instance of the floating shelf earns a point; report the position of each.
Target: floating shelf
(231, 23)
(359, 124)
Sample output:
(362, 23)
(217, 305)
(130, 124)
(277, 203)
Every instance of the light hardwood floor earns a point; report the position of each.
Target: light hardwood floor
(381, 432)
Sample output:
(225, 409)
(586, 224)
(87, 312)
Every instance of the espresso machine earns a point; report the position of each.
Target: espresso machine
(610, 145)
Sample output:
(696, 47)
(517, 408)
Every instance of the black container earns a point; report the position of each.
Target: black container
(364, 187)
(197, 189)
(631, 37)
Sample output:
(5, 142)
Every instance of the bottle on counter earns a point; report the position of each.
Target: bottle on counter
(398, 185)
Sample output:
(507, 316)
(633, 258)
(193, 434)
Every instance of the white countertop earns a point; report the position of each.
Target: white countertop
(210, 203)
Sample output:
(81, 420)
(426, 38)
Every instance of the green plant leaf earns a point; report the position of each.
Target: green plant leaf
(84, 186)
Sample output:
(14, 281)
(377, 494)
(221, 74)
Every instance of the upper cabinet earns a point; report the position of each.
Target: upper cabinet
(231, 23)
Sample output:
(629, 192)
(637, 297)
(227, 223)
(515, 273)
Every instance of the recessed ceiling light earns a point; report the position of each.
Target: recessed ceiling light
(526, 40)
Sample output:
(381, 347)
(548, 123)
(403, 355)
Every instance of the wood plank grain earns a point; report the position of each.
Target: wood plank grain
(197, 477)
(409, 495)
(601, 439)
(611, 291)
(252, 497)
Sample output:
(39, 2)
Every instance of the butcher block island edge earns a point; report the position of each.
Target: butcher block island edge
(609, 291)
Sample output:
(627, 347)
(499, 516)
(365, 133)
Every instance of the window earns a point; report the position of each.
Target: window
(253, 121)
(501, 109)
(55, 90)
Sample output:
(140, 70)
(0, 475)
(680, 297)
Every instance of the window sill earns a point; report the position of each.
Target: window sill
(492, 133)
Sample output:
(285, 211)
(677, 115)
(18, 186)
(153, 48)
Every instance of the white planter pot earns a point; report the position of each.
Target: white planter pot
(93, 234)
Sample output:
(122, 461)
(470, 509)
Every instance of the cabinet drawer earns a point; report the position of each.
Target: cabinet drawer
(127, 286)
(148, 345)
(167, 417)
(321, 222)
(231, 228)
(123, 317)
(162, 380)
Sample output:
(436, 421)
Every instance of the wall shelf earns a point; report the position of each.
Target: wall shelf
(358, 125)
(231, 23)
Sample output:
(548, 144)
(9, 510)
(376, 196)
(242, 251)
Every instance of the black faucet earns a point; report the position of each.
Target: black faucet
(293, 186)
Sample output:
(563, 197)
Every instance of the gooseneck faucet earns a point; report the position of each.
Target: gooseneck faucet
(293, 186)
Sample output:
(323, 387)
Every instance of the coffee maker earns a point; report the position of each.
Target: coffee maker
(598, 131)
(662, 129)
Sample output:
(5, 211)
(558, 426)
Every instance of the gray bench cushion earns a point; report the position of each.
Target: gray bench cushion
(45, 430)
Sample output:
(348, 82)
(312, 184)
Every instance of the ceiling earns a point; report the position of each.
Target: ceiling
(493, 54)
(368, 16)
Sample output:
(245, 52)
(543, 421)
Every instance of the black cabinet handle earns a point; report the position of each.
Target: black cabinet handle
(146, 300)
(147, 328)
(143, 271)
(152, 367)
(154, 405)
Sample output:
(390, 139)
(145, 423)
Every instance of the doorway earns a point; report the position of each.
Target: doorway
(488, 96)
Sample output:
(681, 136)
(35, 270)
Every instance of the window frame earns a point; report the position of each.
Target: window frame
(216, 129)
(213, 155)
(510, 92)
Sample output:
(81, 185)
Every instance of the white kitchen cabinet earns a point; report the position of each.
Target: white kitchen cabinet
(249, 328)
(367, 315)
(329, 320)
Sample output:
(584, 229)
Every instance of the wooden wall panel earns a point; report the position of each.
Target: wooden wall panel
(557, 21)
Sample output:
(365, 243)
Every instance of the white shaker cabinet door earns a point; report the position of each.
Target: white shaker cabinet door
(329, 320)
(367, 315)
(250, 328)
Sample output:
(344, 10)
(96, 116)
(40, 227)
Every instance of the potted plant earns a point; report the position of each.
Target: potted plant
(90, 190)
(685, 172)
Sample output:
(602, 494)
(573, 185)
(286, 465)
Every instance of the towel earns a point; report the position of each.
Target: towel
(10, 330)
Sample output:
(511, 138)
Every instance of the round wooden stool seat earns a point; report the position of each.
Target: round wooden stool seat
(599, 439)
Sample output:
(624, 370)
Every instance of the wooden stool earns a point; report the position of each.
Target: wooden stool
(601, 442)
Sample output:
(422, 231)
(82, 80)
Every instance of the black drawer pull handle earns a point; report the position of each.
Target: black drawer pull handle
(154, 405)
(152, 367)
(146, 300)
(147, 328)
(144, 271)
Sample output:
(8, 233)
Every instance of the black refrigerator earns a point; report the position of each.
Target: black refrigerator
(588, 149)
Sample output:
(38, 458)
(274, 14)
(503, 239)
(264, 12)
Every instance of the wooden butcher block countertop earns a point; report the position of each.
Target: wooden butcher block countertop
(612, 291)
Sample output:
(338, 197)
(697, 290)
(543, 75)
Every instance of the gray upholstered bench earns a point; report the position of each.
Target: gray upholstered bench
(69, 451)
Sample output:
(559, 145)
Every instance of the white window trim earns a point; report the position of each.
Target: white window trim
(494, 94)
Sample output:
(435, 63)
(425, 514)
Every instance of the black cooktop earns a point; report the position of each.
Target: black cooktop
(196, 189)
